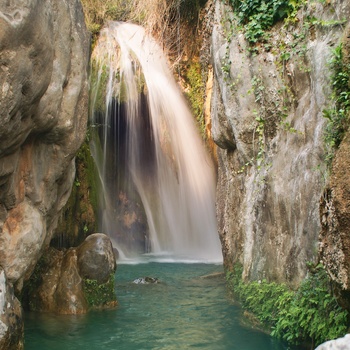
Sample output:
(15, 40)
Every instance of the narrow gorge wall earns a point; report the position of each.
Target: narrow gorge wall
(44, 53)
(335, 209)
(267, 120)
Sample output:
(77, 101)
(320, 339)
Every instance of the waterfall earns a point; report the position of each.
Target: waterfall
(147, 141)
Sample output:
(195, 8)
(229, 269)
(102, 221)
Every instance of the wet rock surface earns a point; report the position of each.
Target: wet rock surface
(267, 120)
(146, 280)
(58, 284)
(96, 258)
(44, 54)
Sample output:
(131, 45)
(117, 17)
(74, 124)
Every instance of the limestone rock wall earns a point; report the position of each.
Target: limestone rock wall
(44, 54)
(267, 120)
(43, 76)
(335, 210)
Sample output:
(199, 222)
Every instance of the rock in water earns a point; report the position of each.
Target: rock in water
(337, 344)
(146, 280)
(96, 259)
(61, 278)
(69, 294)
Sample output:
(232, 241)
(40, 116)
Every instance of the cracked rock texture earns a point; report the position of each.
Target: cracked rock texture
(335, 211)
(44, 53)
(267, 121)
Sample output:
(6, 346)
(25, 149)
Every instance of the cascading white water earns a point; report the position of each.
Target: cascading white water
(163, 152)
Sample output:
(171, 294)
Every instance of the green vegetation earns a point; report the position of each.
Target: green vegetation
(31, 285)
(195, 93)
(256, 16)
(97, 12)
(310, 313)
(98, 83)
(78, 218)
(338, 114)
(160, 17)
(100, 295)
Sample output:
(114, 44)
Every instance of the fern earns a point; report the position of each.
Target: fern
(310, 313)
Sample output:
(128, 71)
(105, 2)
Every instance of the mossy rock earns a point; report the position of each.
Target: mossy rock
(100, 295)
(79, 215)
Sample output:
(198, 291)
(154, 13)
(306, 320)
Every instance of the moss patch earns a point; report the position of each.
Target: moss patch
(100, 295)
(79, 216)
(195, 91)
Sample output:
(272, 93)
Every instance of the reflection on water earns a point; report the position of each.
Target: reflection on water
(183, 311)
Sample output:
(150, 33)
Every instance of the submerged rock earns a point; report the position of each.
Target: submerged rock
(213, 275)
(146, 280)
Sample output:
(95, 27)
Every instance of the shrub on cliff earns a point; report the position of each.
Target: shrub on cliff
(338, 114)
(310, 313)
(97, 12)
(256, 16)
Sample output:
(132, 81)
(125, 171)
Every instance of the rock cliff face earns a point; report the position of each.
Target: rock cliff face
(267, 120)
(44, 52)
(335, 210)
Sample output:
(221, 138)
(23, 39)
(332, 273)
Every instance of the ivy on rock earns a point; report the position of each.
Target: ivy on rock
(258, 16)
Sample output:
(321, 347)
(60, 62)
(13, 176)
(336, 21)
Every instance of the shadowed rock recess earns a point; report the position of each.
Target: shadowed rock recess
(44, 52)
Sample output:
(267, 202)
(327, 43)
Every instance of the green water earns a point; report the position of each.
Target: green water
(183, 311)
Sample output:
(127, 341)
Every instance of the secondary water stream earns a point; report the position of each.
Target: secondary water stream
(182, 311)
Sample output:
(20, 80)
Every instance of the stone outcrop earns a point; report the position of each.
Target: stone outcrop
(56, 285)
(96, 259)
(44, 53)
(11, 324)
(267, 119)
(338, 344)
(58, 281)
